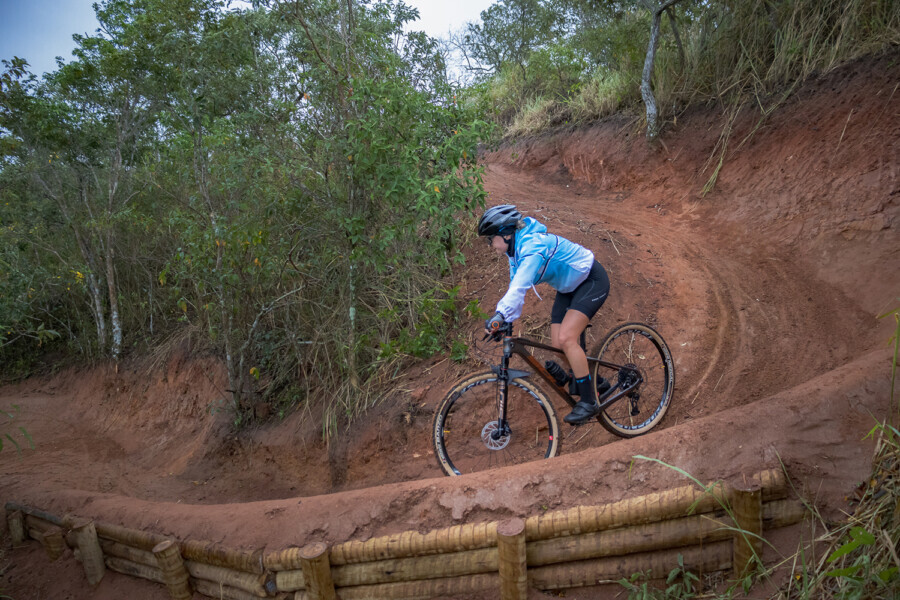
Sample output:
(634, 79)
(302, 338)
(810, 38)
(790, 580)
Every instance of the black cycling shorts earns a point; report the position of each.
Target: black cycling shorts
(587, 298)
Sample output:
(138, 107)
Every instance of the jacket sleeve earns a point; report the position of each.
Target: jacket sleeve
(510, 305)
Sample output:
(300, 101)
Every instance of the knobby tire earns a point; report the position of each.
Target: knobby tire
(642, 347)
(468, 413)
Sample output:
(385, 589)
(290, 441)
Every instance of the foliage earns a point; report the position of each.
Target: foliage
(895, 339)
(284, 182)
(733, 53)
(680, 583)
(861, 561)
(11, 432)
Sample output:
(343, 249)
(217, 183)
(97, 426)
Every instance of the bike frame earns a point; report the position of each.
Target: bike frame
(519, 346)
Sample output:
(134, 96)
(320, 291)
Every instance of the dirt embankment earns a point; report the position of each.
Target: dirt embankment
(766, 290)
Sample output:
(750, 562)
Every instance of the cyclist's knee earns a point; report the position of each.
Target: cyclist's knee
(568, 339)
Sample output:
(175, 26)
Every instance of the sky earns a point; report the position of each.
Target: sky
(41, 30)
(437, 17)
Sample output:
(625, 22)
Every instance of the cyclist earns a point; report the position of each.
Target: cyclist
(581, 285)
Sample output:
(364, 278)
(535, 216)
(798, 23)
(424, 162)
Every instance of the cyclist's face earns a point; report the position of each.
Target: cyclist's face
(499, 244)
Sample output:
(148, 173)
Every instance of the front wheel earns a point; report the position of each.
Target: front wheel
(641, 349)
(468, 438)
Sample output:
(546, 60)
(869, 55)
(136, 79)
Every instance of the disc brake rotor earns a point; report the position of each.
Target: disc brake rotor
(487, 436)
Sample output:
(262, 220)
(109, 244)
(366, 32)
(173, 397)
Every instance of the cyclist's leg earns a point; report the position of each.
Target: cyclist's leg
(586, 301)
(557, 314)
(581, 306)
(567, 339)
(570, 331)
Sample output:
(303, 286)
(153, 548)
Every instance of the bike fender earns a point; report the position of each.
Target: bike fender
(513, 373)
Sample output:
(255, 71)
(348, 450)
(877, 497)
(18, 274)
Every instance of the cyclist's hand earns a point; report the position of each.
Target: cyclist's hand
(493, 326)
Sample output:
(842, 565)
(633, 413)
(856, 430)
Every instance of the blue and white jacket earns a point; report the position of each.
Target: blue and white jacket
(542, 257)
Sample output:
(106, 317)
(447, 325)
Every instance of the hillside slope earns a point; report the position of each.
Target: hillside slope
(766, 290)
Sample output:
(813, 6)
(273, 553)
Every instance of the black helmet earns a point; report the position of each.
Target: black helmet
(499, 220)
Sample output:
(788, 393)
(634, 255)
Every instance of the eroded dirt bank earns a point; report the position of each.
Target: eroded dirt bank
(766, 291)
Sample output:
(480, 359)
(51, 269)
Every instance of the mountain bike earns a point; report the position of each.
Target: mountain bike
(502, 417)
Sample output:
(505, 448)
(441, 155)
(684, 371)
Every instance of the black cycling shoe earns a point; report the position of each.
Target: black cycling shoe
(583, 412)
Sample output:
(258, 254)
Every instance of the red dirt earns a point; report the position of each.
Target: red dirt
(766, 290)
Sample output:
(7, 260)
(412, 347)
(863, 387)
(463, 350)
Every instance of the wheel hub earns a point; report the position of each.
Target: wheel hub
(493, 437)
(629, 376)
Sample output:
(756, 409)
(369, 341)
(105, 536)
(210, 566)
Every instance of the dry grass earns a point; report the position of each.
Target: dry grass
(860, 560)
(735, 54)
(535, 117)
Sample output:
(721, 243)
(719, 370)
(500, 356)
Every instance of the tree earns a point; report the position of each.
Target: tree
(283, 184)
(646, 90)
(395, 160)
(81, 135)
(511, 30)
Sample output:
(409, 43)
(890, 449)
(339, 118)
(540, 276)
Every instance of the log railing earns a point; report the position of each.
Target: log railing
(716, 529)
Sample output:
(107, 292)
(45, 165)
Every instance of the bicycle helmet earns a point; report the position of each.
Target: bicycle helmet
(499, 220)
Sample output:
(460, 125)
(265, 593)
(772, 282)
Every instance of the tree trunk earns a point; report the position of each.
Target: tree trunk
(97, 309)
(115, 171)
(114, 318)
(94, 275)
(681, 56)
(94, 289)
(355, 203)
(646, 90)
(351, 360)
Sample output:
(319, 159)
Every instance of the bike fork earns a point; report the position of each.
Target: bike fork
(502, 395)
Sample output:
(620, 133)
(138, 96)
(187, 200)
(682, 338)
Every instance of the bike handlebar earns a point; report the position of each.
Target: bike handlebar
(498, 334)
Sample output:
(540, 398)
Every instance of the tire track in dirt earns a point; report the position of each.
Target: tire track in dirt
(743, 318)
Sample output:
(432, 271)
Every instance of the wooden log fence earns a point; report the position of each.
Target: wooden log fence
(127, 567)
(513, 568)
(89, 546)
(746, 502)
(16, 524)
(175, 574)
(54, 542)
(716, 529)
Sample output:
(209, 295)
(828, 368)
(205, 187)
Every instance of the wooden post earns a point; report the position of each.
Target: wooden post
(746, 502)
(173, 570)
(511, 550)
(317, 572)
(16, 523)
(54, 542)
(91, 554)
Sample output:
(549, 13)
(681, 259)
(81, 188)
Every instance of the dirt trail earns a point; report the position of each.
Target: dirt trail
(766, 292)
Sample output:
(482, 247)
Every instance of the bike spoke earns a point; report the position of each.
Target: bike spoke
(640, 349)
(468, 440)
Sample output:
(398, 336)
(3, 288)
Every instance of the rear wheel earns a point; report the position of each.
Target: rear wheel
(643, 351)
(466, 434)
